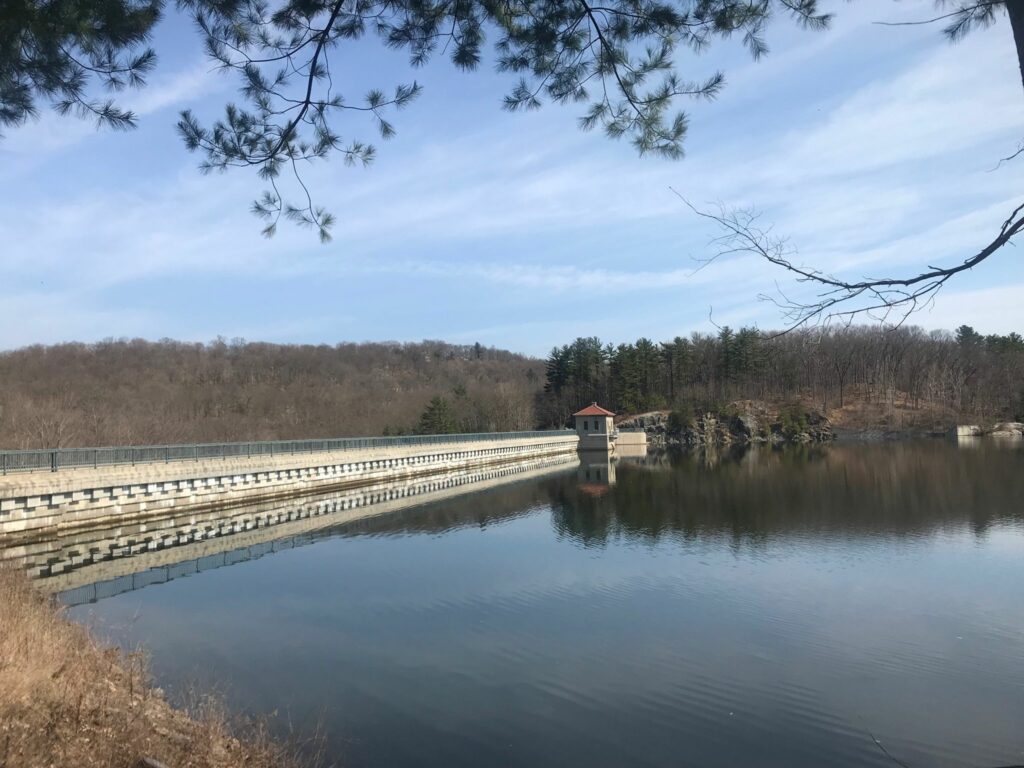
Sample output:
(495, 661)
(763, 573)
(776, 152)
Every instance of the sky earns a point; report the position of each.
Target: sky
(872, 149)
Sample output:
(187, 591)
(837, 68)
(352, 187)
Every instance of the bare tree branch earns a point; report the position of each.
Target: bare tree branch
(1013, 155)
(957, 13)
(888, 299)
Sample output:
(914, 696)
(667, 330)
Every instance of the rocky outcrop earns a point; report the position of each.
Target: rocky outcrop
(740, 423)
(1013, 429)
(653, 423)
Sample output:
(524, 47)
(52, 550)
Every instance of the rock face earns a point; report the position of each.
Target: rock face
(1003, 429)
(653, 423)
(740, 423)
(747, 425)
(1008, 429)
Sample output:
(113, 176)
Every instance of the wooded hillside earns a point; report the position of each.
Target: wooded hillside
(938, 374)
(138, 392)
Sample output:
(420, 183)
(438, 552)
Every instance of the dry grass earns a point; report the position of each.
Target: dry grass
(898, 414)
(67, 701)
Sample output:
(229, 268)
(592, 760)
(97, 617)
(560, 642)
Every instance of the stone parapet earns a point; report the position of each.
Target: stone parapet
(113, 550)
(34, 505)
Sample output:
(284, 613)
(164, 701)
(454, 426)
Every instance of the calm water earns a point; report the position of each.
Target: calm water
(775, 608)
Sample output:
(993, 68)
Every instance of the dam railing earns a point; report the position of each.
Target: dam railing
(72, 458)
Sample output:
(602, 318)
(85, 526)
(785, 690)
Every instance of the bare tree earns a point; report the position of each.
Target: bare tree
(131, 392)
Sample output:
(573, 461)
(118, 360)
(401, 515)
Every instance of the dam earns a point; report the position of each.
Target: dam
(107, 560)
(64, 514)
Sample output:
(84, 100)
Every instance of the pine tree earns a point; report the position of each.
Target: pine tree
(648, 362)
(557, 370)
(966, 336)
(55, 50)
(619, 60)
(438, 418)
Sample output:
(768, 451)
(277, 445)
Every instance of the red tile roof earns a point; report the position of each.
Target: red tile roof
(593, 410)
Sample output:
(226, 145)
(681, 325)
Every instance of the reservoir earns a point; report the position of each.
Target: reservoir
(847, 605)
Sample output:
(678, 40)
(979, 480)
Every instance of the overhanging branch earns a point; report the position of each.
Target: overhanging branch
(882, 298)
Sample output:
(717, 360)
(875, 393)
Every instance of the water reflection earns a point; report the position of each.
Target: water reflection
(765, 607)
(110, 557)
(758, 493)
(750, 496)
(596, 473)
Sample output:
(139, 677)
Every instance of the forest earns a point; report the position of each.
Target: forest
(120, 392)
(135, 392)
(943, 375)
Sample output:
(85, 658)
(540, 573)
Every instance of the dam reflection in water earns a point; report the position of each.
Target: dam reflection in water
(109, 558)
(768, 607)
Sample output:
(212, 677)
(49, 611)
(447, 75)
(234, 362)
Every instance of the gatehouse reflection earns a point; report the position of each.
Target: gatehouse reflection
(595, 474)
(753, 497)
(753, 494)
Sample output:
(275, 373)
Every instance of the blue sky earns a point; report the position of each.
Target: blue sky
(870, 147)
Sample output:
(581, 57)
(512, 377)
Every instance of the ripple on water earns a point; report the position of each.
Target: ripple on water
(772, 613)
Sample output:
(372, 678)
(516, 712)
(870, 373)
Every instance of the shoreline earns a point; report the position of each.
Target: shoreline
(750, 422)
(66, 698)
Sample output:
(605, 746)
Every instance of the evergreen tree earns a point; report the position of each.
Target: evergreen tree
(676, 355)
(585, 361)
(557, 370)
(970, 372)
(748, 357)
(727, 354)
(648, 362)
(966, 336)
(1012, 342)
(627, 394)
(439, 418)
(54, 50)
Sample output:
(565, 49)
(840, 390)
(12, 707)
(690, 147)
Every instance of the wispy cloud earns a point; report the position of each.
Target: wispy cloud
(50, 132)
(993, 310)
(561, 279)
(940, 106)
(889, 172)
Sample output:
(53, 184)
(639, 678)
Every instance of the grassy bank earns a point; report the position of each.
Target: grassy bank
(66, 700)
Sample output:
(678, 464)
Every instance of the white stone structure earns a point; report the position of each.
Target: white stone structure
(121, 555)
(595, 428)
(41, 505)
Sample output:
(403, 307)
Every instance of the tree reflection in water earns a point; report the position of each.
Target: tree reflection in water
(755, 494)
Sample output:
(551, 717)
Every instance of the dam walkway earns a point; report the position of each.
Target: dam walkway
(45, 494)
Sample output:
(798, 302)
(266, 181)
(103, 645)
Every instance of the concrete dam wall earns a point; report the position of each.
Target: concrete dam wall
(114, 557)
(38, 507)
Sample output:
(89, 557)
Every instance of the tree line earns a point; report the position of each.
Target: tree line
(962, 374)
(121, 392)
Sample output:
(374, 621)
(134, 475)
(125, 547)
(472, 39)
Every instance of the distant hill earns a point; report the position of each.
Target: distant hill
(893, 380)
(137, 392)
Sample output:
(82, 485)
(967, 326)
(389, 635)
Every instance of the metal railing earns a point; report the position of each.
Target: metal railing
(71, 458)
